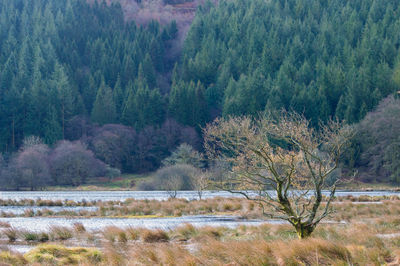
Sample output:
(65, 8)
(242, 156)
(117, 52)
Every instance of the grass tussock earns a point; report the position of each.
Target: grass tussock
(60, 233)
(15, 259)
(79, 228)
(4, 224)
(152, 236)
(162, 254)
(29, 236)
(115, 234)
(11, 233)
(312, 252)
(60, 255)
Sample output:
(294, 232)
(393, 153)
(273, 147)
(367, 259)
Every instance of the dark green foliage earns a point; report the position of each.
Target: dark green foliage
(103, 111)
(320, 58)
(187, 103)
(143, 106)
(59, 59)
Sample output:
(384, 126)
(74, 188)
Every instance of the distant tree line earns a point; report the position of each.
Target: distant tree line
(92, 151)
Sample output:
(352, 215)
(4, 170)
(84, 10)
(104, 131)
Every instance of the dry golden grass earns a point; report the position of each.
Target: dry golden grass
(60, 233)
(115, 234)
(152, 236)
(15, 259)
(331, 244)
(79, 228)
(161, 254)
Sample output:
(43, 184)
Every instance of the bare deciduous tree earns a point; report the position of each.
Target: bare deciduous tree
(172, 185)
(72, 163)
(173, 178)
(30, 165)
(200, 182)
(283, 153)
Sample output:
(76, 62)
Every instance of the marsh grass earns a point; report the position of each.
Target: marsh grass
(30, 236)
(60, 233)
(346, 207)
(162, 254)
(10, 233)
(59, 255)
(152, 236)
(9, 258)
(79, 228)
(331, 244)
(4, 224)
(356, 242)
(115, 234)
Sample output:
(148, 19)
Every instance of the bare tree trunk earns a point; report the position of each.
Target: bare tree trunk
(304, 230)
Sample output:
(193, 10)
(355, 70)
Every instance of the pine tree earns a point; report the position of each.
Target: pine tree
(143, 107)
(148, 71)
(65, 95)
(118, 96)
(103, 111)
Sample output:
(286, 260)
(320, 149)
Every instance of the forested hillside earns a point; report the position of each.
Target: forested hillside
(86, 71)
(60, 59)
(320, 58)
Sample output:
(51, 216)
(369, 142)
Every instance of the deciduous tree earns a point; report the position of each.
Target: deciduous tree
(284, 153)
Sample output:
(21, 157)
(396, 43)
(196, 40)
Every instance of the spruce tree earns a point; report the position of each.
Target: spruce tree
(103, 111)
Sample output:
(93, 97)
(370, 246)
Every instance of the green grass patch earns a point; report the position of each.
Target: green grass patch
(124, 182)
(61, 255)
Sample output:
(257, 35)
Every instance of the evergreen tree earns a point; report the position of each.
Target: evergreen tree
(103, 111)
(65, 95)
(118, 96)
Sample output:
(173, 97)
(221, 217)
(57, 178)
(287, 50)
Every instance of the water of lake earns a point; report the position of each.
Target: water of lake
(43, 224)
(156, 195)
(17, 210)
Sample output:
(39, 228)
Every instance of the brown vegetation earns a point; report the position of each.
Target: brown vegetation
(348, 206)
(363, 242)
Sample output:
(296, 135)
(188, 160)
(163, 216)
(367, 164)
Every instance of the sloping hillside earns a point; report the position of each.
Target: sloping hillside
(164, 11)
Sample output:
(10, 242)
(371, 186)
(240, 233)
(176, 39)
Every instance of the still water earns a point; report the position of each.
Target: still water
(43, 224)
(17, 210)
(156, 195)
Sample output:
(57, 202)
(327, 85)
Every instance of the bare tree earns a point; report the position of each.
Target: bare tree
(114, 145)
(283, 153)
(30, 166)
(185, 154)
(173, 178)
(172, 185)
(200, 182)
(71, 163)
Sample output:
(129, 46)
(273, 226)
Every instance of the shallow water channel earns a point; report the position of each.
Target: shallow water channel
(39, 224)
(156, 195)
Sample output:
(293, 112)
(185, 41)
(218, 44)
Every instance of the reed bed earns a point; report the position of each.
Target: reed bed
(331, 244)
(370, 235)
(347, 207)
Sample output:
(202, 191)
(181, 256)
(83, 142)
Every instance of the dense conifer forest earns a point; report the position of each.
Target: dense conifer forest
(78, 80)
